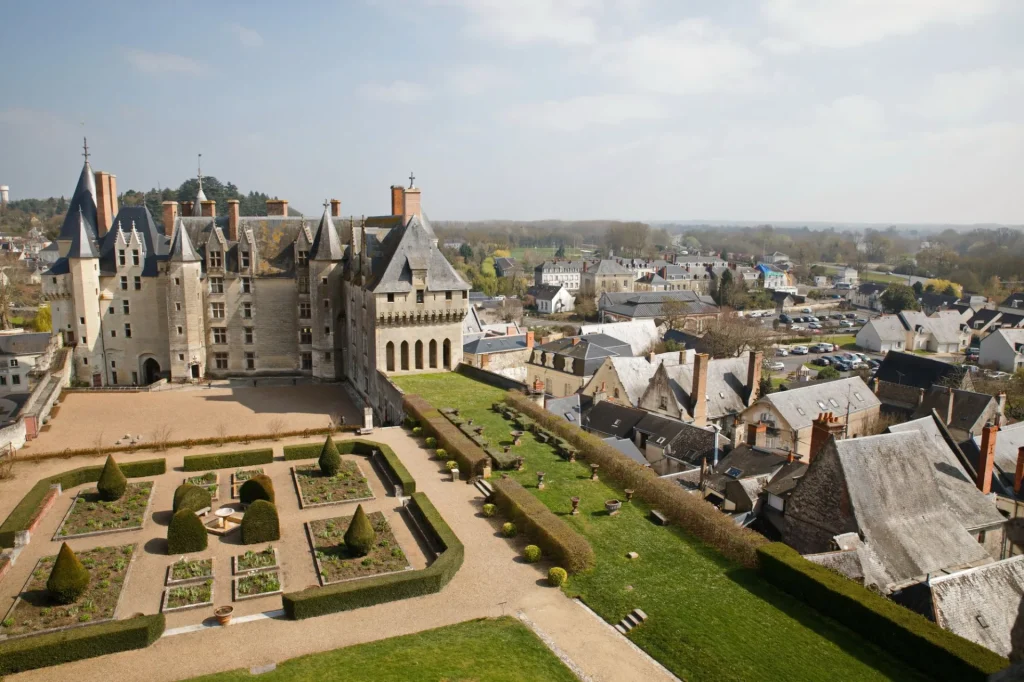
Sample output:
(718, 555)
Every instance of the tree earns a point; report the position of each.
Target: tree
(586, 308)
(828, 373)
(560, 251)
(466, 251)
(69, 577)
(112, 483)
(690, 242)
(330, 460)
(723, 296)
(13, 279)
(43, 321)
(674, 312)
(732, 335)
(943, 286)
(899, 297)
(918, 288)
(360, 536)
(510, 310)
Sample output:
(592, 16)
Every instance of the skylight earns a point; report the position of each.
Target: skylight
(734, 472)
(857, 396)
(801, 411)
(821, 404)
(833, 402)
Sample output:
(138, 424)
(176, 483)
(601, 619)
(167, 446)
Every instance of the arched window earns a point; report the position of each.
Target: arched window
(419, 354)
(446, 354)
(433, 354)
(405, 355)
(389, 352)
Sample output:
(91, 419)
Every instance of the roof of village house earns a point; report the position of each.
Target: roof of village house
(679, 439)
(544, 292)
(81, 208)
(888, 328)
(626, 447)
(1014, 300)
(568, 408)
(969, 408)
(786, 478)
(587, 347)
(934, 300)
(869, 288)
(635, 373)
(983, 317)
(504, 264)
(744, 462)
(911, 369)
(495, 344)
(846, 562)
(800, 406)
(613, 419)
(1009, 439)
(726, 387)
(327, 245)
(609, 267)
(944, 325)
(558, 266)
(1009, 320)
(641, 335)
(25, 343)
(649, 304)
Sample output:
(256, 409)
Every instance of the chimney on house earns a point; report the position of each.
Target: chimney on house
(1019, 476)
(920, 397)
(277, 207)
(987, 458)
(575, 340)
(825, 426)
(529, 340)
(170, 215)
(335, 208)
(186, 208)
(790, 458)
(538, 386)
(584, 266)
(233, 209)
(412, 202)
(948, 416)
(699, 390)
(397, 200)
(754, 363)
(106, 201)
(510, 330)
(651, 357)
(757, 434)
(209, 208)
(1000, 408)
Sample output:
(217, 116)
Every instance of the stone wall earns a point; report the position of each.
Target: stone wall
(899, 395)
(488, 377)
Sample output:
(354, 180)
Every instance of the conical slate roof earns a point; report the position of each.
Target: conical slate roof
(82, 206)
(326, 244)
(197, 207)
(182, 250)
(82, 245)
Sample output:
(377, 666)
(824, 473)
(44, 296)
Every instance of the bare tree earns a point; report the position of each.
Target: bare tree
(98, 443)
(162, 436)
(275, 427)
(732, 335)
(222, 432)
(13, 279)
(674, 312)
(511, 310)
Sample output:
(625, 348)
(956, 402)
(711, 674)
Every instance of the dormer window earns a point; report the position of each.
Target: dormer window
(419, 295)
(216, 259)
(243, 258)
(135, 256)
(303, 258)
(121, 257)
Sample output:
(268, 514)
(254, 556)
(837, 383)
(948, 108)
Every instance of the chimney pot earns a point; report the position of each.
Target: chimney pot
(335, 208)
(277, 207)
(209, 208)
(233, 209)
(575, 340)
(651, 356)
(529, 340)
(986, 459)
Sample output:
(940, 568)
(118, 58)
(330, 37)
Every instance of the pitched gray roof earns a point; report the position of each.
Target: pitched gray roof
(412, 246)
(81, 207)
(726, 390)
(639, 334)
(495, 344)
(626, 447)
(982, 604)
(801, 406)
(610, 267)
(82, 241)
(889, 328)
(26, 343)
(182, 250)
(327, 244)
(568, 408)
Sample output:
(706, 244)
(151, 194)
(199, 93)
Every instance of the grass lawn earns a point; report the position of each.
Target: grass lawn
(709, 619)
(883, 278)
(499, 650)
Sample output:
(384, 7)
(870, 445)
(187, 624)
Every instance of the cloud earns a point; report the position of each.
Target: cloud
(850, 23)
(564, 22)
(690, 57)
(577, 113)
(162, 62)
(854, 113)
(475, 79)
(246, 36)
(402, 92)
(781, 46)
(960, 95)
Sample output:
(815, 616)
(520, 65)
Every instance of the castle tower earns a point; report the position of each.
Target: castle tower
(325, 286)
(186, 326)
(84, 267)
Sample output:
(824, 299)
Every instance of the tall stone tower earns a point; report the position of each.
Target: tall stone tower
(325, 285)
(186, 327)
(84, 268)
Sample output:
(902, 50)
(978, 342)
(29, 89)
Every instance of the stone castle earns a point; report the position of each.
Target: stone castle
(240, 296)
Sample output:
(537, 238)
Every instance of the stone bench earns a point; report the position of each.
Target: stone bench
(659, 518)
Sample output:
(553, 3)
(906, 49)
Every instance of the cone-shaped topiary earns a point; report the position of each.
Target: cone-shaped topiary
(259, 487)
(260, 523)
(112, 482)
(69, 577)
(188, 497)
(330, 460)
(360, 536)
(186, 534)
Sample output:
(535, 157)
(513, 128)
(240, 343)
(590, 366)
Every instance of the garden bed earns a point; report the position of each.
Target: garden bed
(317, 490)
(34, 612)
(256, 585)
(335, 564)
(187, 597)
(189, 570)
(255, 561)
(89, 515)
(241, 476)
(209, 481)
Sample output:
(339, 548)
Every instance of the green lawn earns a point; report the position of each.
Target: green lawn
(499, 650)
(709, 619)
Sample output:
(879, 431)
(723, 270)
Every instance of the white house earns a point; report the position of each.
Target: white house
(943, 332)
(552, 298)
(1003, 348)
(777, 257)
(868, 295)
(20, 352)
(847, 276)
(883, 334)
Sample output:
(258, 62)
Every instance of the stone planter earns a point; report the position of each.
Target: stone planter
(455, 474)
(540, 480)
(629, 494)
(223, 614)
(613, 506)
(575, 506)
(593, 471)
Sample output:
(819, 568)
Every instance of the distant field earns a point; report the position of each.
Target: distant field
(538, 254)
(871, 276)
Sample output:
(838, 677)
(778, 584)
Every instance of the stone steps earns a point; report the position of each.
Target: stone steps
(484, 487)
(632, 620)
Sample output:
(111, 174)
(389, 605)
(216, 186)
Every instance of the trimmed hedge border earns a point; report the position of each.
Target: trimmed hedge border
(228, 460)
(354, 594)
(905, 634)
(358, 446)
(555, 537)
(23, 514)
(698, 517)
(40, 651)
(470, 456)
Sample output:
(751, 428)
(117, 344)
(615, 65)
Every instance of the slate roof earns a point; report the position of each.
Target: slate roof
(1014, 300)
(411, 246)
(273, 239)
(889, 328)
(568, 408)
(544, 292)
(83, 241)
(181, 250)
(943, 325)
(611, 419)
(846, 562)
(801, 406)
(911, 369)
(609, 267)
(560, 266)
(983, 317)
(81, 207)
(869, 288)
(641, 335)
(26, 343)
(592, 348)
(969, 408)
(933, 300)
(679, 439)
(635, 374)
(746, 461)
(726, 390)
(648, 304)
(1008, 440)
(626, 447)
(155, 244)
(982, 604)
(327, 245)
(495, 344)
(786, 478)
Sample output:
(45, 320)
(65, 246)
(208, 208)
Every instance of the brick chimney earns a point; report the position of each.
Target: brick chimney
(538, 386)
(529, 340)
(948, 414)
(412, 202)
(277, 207)
(335, 208)
(1000, 408)
(824, 427)
(987, 458)
(170, 215)
(186, 208)
(106, 201)
(510, 330)
(233, 209)
(754, 363)
(699, 390)
(209, 208)
(575, 340)
(397, 200)
(757, 434)
(1019, 476)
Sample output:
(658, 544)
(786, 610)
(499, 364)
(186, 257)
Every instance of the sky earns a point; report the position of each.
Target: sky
(880, 111)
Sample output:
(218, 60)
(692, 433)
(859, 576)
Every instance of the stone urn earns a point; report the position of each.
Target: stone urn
(517, 437)
(593, 471)
(572, 455)
(223, 614)
(540, 480)
(613, 506)
(575, 506)
(629, 494)
(520, 463)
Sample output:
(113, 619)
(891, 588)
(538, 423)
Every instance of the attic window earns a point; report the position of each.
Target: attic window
(616, 423)
(734, 472)
(832, 401)
(857, 396)
(721, 394)
(981, 621)
(821, 404)
(801, 411)
(661, 439)
(569, 416)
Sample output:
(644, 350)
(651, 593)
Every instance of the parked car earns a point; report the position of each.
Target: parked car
(812, 318)
(822, 361)
(814, 325)
(830, 347)
(781, 352)
(837, 316)
(805, 310)
(797, 327)
(785, 319)
(874, 364)
(860, 364)
(861, 320)
(776, 366)
(845, 323)
(798, 350)
(863, 358)
(843, 365)
(851, 316)
(999, 375)
(754, 313)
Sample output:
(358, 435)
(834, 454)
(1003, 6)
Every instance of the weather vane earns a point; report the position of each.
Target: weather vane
(200, 170)
(85, 149)
(411, 178)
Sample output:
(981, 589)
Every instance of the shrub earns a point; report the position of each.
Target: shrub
(191, 498)
(228, 460)
(531, 553)
(112, 483)
(441, 453)
(303, 451)
(259, 487)
(555, 537)
(489, 510)
(186, 533)
(68, 578)
(360, 536)
(508, 529)
(53, 648)
(557, 576)
(470, 456)
(417, 431)
(904, 633)
(318, 601)
(698, 517)
(260, 523)
(430, 442)
(451, 465)
(330, 460)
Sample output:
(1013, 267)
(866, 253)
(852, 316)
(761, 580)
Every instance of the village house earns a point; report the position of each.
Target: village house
(695, 311)
(624, 380)
(565, 365)
(506, 267)
(1003, 349)
(942, 332)
(23, 355)
(551, 298)
(868, 295)
(559, 272)
(506, 355)
(605, 276)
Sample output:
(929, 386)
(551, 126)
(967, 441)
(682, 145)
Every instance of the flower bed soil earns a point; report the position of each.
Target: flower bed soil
(188, 596)
(189, 570)
(316, 489)
(89, 515)
(210, 480)
(334, 563)
(241, 476)
(257, 585)
(255, 561)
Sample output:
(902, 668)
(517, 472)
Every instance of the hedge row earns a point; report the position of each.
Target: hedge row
(555, 537)
(229, 460)
(40, 651)
(23, 514)
(358, 447)
(698, 517)
(470, 456)
(907, 635)
(319, 601)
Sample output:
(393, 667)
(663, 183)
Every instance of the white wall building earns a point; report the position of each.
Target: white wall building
(1003, 349)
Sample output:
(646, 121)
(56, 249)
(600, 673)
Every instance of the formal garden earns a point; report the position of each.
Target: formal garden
(331, 480)
(113, 505)
(357, 546)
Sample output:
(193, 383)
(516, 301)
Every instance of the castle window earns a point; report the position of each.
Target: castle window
(303, 257)
(138, 283)
(111, 310)
(447, 295)
(247, 310)
(217, 310)
(113, 333)
(177, 282)
(303, 285)
(120, 257)
(82, 319)
(181, 357)
(391, 298)
(181, 330)
(124, 283)
(127, 331)
(113, 364)
(220, 360)
(304, 310)
(307, 361)
(327, 303)
(248, 334)
(327, 331)
(216, 285)
(135, 256)
(135, 378)
(113, 378)
(306, 335)
(323, 281)
(220, 335)
(246, 285)
(244, 257)
(327, 356)
(250, 361)
(177, 306)
(463, 295)
(419, 295)
(216, 259)
(125, 307)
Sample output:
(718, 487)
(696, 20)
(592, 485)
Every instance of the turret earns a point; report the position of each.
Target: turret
(185, 308)
(84, 268)
(325, 277)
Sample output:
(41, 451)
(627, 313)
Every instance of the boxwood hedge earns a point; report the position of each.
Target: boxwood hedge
(40, 651)
(229, 460)
(907, 635)
(357, 446)
(319, 601)
(21, 516)
(470, 456)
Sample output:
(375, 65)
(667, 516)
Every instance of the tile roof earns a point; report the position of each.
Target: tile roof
(182, 250)
(641, 335)
(800, 406)
(82, 207)
(327, 245)
(726, 389)
(612, 419)
(495, 344)
(25, 343)
(83, 241)
(626, 447)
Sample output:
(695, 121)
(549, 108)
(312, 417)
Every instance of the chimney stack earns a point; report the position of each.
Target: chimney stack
(987, 458)
(823, 428)
(412, 202)
(529, 340)
(510, 330)
(600, 394)
(538, 386)
(1000, 408)
(170, 215)
(233, 209)
(1019, 477)
(397, 200)
(335, 208)
(757, 435)
(186, 208)
(209, 208)
(106, 201)
(277, 207)
(949, 406)
(651, 357)
(699, 390)
(575, 340)
(754, 363)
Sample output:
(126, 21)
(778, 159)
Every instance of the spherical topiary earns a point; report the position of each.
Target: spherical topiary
(489, 510)
(186, 533)
(508, 529)
(69, 577)
(112, 483)
(191, 498)
(451, 465)
(260, 523)
(441, 453)
(417, 430)
(330, 460)
(360, 536)
(259, 487)
(531, 553)
(557, 576)
(431, 442)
